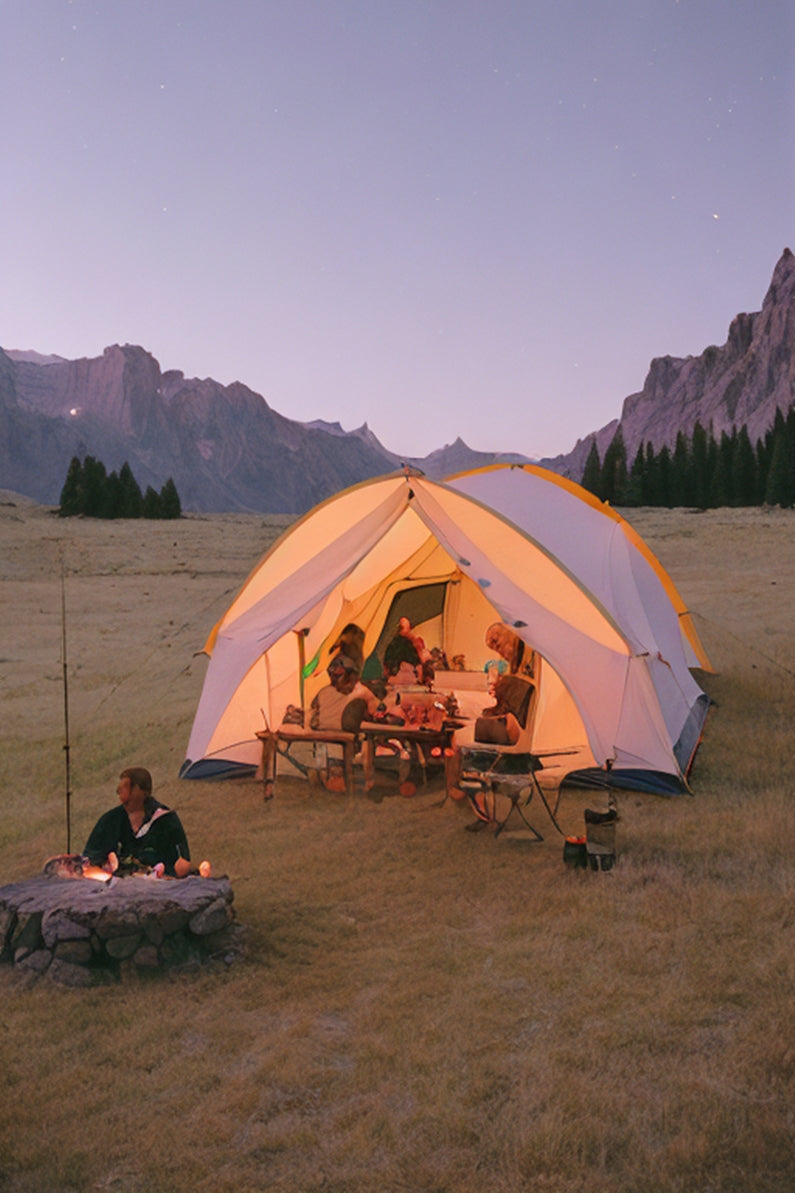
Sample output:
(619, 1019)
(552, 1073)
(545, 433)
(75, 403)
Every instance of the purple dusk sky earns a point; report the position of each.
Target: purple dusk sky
(444, 217)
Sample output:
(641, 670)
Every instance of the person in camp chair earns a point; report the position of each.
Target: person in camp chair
(513, 688)
(518, 655)
(140, 833)
(502, 723)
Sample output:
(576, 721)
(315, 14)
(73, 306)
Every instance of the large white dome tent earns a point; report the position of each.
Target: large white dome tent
(616, 698)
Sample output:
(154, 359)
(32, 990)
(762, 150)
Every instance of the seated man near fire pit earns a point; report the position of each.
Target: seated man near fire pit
(141, 833)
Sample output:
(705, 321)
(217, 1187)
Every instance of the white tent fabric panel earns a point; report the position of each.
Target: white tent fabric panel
(233, 734)
(325, 541)
(543, 504)
(480, 544)
(557, 725)
(468, 614)
(641, 736)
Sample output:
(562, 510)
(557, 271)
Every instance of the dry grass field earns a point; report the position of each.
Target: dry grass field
(419, 1008)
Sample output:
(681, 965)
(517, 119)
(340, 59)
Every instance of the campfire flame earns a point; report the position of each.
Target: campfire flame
(97, 873)
(74, 865)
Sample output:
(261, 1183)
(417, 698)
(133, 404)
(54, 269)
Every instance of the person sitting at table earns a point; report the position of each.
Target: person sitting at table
(407, 658)
(401, 655)
(351, 644)
(342, 704)
(345, 701)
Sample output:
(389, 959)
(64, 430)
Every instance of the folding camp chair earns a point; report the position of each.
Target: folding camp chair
(488, 770)
(486, 774)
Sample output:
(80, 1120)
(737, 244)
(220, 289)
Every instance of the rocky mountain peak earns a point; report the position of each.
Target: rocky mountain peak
(741, 383)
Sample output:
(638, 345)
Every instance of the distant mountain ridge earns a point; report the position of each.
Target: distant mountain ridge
(228, 450)
(742, 383)
(224, 446)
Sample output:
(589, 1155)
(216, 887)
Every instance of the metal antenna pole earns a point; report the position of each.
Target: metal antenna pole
(66, 715)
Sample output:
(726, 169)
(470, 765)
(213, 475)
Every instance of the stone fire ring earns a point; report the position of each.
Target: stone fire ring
(80, 932)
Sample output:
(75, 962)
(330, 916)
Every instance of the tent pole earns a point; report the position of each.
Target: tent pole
(301, 634)
(66, 714)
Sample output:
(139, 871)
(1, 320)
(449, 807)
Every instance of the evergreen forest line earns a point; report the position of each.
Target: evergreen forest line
(91, 492)
(701, 471)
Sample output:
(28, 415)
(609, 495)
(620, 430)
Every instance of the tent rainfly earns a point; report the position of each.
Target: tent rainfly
(616, 699)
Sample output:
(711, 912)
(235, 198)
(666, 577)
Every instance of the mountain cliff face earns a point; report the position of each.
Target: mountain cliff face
(29, 444)
(224, 446)
(742, 383)
(226, 449)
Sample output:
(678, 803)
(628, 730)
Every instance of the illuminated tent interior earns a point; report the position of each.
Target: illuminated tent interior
(616, 700)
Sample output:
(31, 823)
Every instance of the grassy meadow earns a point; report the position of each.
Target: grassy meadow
(418, 1008)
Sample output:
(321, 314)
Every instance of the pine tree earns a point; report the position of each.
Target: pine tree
(614, 470)
(592, 476)
(776, 477)
(112, 497)
(764, 450)
(790, 432)
(170, 506)
(131, 503)
(72, 495)
(665, 470)
(94, 485)
(745, 486)
(636, 482)
(726, 453)
(680, 472)
(780, 488)
(151, 503)
(651, 471)
(699, 467)
(717, 490)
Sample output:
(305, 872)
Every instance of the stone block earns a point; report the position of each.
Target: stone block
(78, 952)
(36, 962)
(8, 918)
(120, 920)
(211, 918)
(121, 947)
(227, 940)
(154, 932)
(67, 974)
(173, 921)
(146, 957)
(177, 949)
(27, 932)
(59, 925)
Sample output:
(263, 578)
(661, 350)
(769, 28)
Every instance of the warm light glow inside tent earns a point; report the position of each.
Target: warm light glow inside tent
(615, 693)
